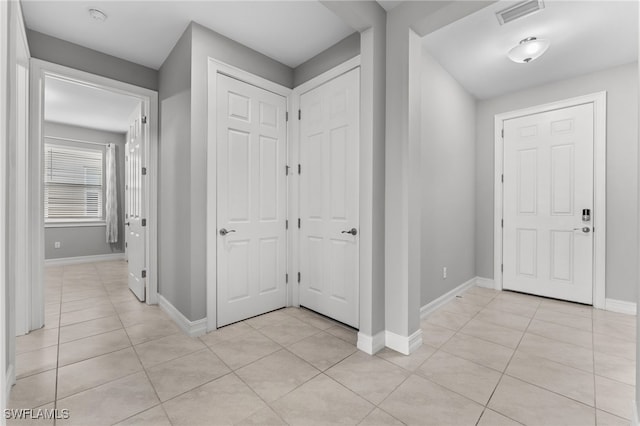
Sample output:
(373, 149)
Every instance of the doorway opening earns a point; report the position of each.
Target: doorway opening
(93, 174)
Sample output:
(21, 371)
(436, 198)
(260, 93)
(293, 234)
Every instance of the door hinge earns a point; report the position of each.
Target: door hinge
(286, 224)
(502, 133)
(502, 178)
(299, 277)
(144, 222)
(286, 170)
(286, 278)
(502, 223)
(286, 116)
(144, 171)
(144, 273)
(144, 119)
(299, 114)
(126, 245)
(502, 267)
(299, 169)
(299, 222)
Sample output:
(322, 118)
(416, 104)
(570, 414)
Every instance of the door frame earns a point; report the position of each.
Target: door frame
(599, 101)
(39, 70)
(18, 266)
(216, 67)
(5, 382)
(294, 152)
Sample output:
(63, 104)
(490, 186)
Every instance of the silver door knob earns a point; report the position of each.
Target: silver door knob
(224, 232)
(584, 229)
(352, 231)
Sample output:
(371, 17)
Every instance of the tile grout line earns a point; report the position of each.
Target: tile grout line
(506, 367)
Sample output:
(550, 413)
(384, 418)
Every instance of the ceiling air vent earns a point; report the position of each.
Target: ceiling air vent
(519, 10)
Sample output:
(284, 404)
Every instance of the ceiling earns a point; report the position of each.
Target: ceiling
(86, 106)
(144, 32)
(389, 4)
(585, 36)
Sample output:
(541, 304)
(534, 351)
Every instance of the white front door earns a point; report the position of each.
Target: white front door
(548, 182)
(329, 198)
(135, 214)
(251, 200)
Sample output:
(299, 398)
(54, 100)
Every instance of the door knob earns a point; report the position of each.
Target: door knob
(224, 232)
(127, 224)
(352, 231)
(584, 229)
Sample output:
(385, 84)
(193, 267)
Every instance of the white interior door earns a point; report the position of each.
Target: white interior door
(548, 181)
(329, 198)
(251, 200)
(135, 217)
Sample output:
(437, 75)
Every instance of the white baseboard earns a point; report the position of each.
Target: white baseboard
(435, 304)
(84, 259)
(192, 328)
(485, 283)
(634, 414)
(403, 344)
(620, 306)
(371, 344)
(11, 380)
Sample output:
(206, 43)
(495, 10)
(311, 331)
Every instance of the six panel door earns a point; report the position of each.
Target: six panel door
(251, 200)
(134, 204)
(548, 181)
(329, 156)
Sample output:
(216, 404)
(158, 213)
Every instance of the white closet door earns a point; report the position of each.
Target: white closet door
(251, 161)
(548, 181)
(329, 198)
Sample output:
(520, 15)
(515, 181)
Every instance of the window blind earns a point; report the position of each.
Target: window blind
(73, 183)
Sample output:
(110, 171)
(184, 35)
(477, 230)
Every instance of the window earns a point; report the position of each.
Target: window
(73, 183)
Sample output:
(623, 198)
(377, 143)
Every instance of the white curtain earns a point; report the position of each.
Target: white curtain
(111, 198)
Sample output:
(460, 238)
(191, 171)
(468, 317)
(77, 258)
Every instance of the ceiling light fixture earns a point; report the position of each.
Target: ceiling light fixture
(529, 49)
(98, 15)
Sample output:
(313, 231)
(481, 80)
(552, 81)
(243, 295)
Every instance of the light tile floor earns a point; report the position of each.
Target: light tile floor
(489, 358)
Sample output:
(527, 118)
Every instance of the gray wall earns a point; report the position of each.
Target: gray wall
(340, 52)
(621, 84)
(174, 270)
(87, 240)
(62, 52)
(448, 114)
(183, 158)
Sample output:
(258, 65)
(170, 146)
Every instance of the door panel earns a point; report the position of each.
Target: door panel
(548, 180)
(329, 198)
(251, 161)
(134, 204)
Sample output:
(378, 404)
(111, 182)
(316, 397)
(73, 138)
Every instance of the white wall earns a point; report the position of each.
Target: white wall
(87, 240)
(621, 84)
(448, 114)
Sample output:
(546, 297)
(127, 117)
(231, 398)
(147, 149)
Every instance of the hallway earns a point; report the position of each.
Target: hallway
(489, 358)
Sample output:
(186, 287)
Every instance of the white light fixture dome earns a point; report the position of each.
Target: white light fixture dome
(529, 49)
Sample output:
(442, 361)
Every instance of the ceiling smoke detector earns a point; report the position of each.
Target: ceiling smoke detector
(519, 10)
(97, 15)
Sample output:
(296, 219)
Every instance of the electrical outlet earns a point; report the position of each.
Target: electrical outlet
(444, 272)
(57, 244)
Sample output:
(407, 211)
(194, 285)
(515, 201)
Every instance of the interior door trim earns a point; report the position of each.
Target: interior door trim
(599, 101)
(39, 70)
(294, 154)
